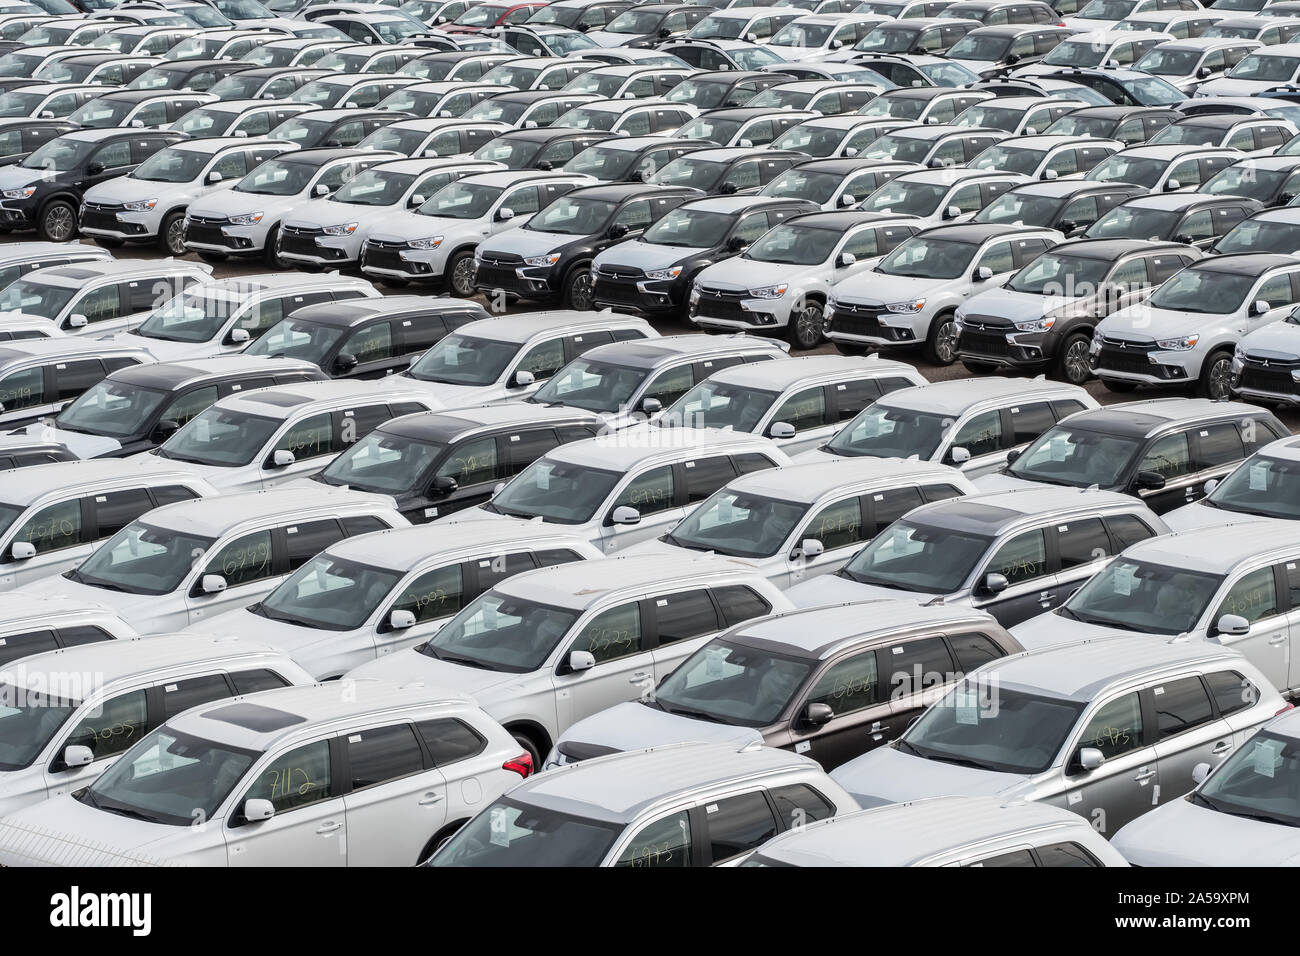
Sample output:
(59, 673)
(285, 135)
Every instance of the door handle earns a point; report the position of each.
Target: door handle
(877, 731)
(430, 799)
(328, 827)
(1275, 641)
(1222, 747)
(1144, 775)
(1046, 595)
(639, 677)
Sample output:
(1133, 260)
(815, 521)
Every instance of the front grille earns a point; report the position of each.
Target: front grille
(207, 220)
(619, 272)
(1132, 357)
(624, 292)
(722, 304)
(299, 241)
(983, 342)
(99, 219)
(206, 234)
(857, 319)
(496, 277)
(1267, 379)
(383, 258)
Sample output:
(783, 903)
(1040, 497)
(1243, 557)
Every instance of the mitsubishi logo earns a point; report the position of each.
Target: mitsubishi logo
(1123, 345)
(1265, 363)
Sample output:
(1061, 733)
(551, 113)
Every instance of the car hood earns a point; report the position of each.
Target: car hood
(607, 39)
(66, 832)
(13, 177)
(645, 256)
(1154, 323)
(1050, 629)
(886, 775)
(323, 212)
(876, 287)
(526, 243)
(739, 273)
(401, 226)
(1009, 305)
(634, 726)
(452, 396)
(1275, 340)
(249, 626)
(164, 350)
(1198, 515)
(228, 203)
(126, 189)
(119, 602)
(1227, 87)
(411, 665)
(997, 481)
(832, 589)
(1183, 834)
(81, 445)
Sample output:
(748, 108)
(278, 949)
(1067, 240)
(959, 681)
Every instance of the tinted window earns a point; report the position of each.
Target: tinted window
(848, 685)
(1116, 728)
(1180, 705)
(684, 615)
(503, 566)
(1217, 445)
(434, 594)
(13, 646)
(117, 509)
(305, 541)
(184, 694)
(449, 740)
(73, 378)
(84, 634)
(800, 804)
(973, 650)
(382, 754)
(250, 682)
(296, 778)
(1030, 421)
(244, 559)
(1082, 541)
(1127, 530)
(1231, 691)
(121, 721)
(739, 603)
(738, 824)
(890, 505)
(837, 525)
(1065, 854)
(926, 660)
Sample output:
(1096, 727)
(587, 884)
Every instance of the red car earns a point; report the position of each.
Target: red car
(485, 16)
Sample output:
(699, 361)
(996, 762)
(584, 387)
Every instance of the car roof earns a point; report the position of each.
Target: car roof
(213, 517)
(401, 549)
(1175, 201)
(280, 401)
(170, 375)
(22, 486)
(346, 313)
(114, 660)
(807, 482)
(447, 427)
(1110, 249)
(580, 584)
(789, 372)
(956, 395)
(1244, 263)
(523, 326)
(1219, 548)
(626, 449)
(992, 513)
(1146, 418)
(651, 353)
(57, 346)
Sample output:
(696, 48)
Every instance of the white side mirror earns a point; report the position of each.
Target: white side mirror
(1260, 307)
(1200, 772)
(22, 550)
(1090, 758)
(238, 336)
(781, 430)
(581, 661)
(77, 321)
(1233, 625)
(959, 455)
(1210, 485)
(258, 811)
(321, 190)
(212, 584)
(626, 515)
(77, 756)
(401, 620)
(809, 548)
(282, 458)
(522, 378)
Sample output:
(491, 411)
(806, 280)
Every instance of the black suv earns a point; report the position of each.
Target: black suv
(546, 148)
(630, 159)
(551, 253)
(44, 191)
(1194, 219)
(198, 76)
(333, 129)
(729, 170)
(1070, 206)
(19, 138)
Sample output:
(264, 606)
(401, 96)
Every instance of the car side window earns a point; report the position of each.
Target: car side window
(980, 435)
(119, 723)
(1030, 421)
(612, 634)
(925, 660)
(1231, 691)
(803, 410)
(704, 476)
(1116, 728)
(1022, 558)
(23, 389)
(670, 385)
(53, 528)
(434, 594)
(848, 685)
(684, 615)
(114, 510)
(472, 463)
(1082, 541)
(664, 843)
(650, 492)
(244, 560)
(998, 257)
(543, 359)
(377, 755)
(449, 740)
(1253, 596)
(1276, 291)
(309, 438)
(1180, 705)
(181, 695)
(1169, 456)
(1217, 445)
(1013, 858)
(973, 650)
(1066, 855)
(739, 824)
(295, 779)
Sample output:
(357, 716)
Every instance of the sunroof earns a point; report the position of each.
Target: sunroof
(255, 717)
(281, 399)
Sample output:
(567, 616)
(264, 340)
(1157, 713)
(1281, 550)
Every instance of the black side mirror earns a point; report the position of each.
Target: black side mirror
(1203, 73)
(94, 169)
(1067, 225)
(165, 429)
(1149, 481)
(736, 243)
(665, 33)
(618, 230)
(817, 715)
(1012, 455)
(445, 485)
(346, 362)
(728, 189)
(545, 165)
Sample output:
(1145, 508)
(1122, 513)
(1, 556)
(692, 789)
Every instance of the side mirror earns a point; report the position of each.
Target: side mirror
(401, 620)
(1260, 307)
(77, 321)
(1090, 758)
(1284, 199)
(808, 549)
(1204, 73)
(94, 169)
(959, 455)
(665, 33)
(212, 584)
(952, 212)
(780, 430)
(817, 715)
(545, 165)
(505, 214)
(1067, 225)
(983, 274)
(282, 458)
(836, 44)
(416, 201)
(652, 406)
(1149, 481)
(1233, 625)
(1183, 238)
(522, 379)
(581, 661)
(1012, 455)
(626, 515)
(165, 428)
(214, 177)
(846, 200)
(1209, 486)
(321, 190)
(258, 811)
(728, 189)
(1200, 771)
(345, 362)
(22, 550)
(77, 756)
(1013, 57)
(1051, 174)
(736, 243)
(445, 485)
(618, 230)
(1172, 184)
(995, 583)
(846, 259)
(238, 336)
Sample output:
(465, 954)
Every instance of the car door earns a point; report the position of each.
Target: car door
(61, 536)
(1277, 291)
(617, 639)
(311, 441)
(683, 621)
(1021, 558)
(981, 436)
(1125, 785)
(395, 800)
(839, 527)
(1170, 457)
(309, 827)
(913, 675)
(1254, 595)
(107, 724)
(1188, 732)
(247, 566)
(1082, 547)
(860, 711)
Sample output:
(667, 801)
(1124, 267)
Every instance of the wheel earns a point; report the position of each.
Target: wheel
(844, 349)
(272, 251)
(1072, 362)
(57, 222)
(212, 257)
(1216, 377)
(460, 274)
(941, 343)
(171, 235)
(805, 326)
(578, 288)
(979, 368)
(1120, 388)
(525, 741)
(110, 243)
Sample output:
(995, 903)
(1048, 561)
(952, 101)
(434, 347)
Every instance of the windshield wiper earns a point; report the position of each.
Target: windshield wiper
(907, 748)
(957, 761)
(467, 662)
(1246, 814)
(122, 811)
(696, 714)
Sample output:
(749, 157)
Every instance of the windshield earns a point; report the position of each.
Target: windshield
(8, 515)
(29, 719)
(461, 200)
(1138, 170)
(144, 559)
(502, 633)
(1143, 597)
(889, 39)
(556, 491)
(906, 197)
(990, 117)
(587, 117)
(101, 113)
(914, 557)
(385, 464)
(464, 360)
(696, 173)
(329, 593)
(816, 187)
(1187, 134)
(19, 64)
(172, 165)
(1259, 781)
(594, 385)
(802, 33)
(59, 155)
(1245, 179)
(719, 28)
(1025, 208)
(883, 432)
(795, 245)
(1010, 159)
(635, 22)
(496, 110)
(714, 130)
(573, 217)
(704, 95)
(20, 104)
(734, 684)
(193, 316)
(512, 833)
(609, 164)
(602, 84)
(170, 778)
(1093, 126)
(1060, 274)
(1069, 456)
(929, 258)
(1260, 235)
(220, 438)
(514, 153)
(35, 298)
(901, 149)
(1134, 222)
(738, 525)
(374, 187)
(975, 47)
(777, 98)
(112, 408)
(1266, 66)
(1016, 733)
(816, 141)
(689, 228)
(300, 129)
(1263, 485)
(1203, 291)
(202, 122)
(1077, 53)
(276, 178)
(507, 74)
(895, 107)
(713, 404)
(299, 339)
(1169, 62)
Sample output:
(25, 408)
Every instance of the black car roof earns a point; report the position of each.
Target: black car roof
(1112, 248)
(353, 312)
(619, 192)
(840, 219)
(1244, 263)
(974, 232)
(318, 156)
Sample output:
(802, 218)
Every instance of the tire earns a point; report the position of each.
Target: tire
(941, 342)
(855, 350)
(1072, 362)
(579, 290)
(171, 234)
(1216, 377)
(804, 330)
(525, 741)
(460, 274)
(57, 222)
(212, 258)
(109, 243)
(1118, 387)
(979, 368)
(272, 251)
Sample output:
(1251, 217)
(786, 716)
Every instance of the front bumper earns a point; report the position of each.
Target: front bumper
(17, 213)
(218, 235)
(857, 323)
(512, 276)
(312, 246)
(114, 222)
(1143, 364)
(397, 260)
(624, 289)
(1272, 381)
(737, 310)
(1004, 347)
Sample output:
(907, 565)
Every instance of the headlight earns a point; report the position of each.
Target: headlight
(1239, 354)
(910, 307)
(672, 273)
(1037, 325)
(769, 292)
(342, 229)
(550, 260)
(1179, 344)
(432, 242)
(24, 193)
(247, 219)
(140, 204)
